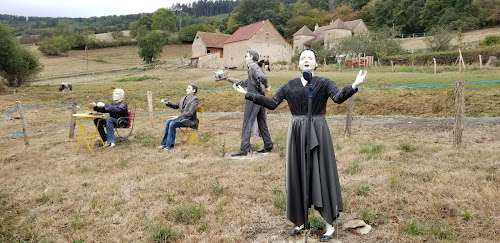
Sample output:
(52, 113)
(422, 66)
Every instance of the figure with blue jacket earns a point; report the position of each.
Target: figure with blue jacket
(116, 110)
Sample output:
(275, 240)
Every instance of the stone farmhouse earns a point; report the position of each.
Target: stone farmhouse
(326, 35)
(212, 50)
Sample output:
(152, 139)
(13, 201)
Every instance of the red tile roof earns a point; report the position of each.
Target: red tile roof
(213, 39)
(245, 32)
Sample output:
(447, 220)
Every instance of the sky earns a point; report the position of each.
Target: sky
(83, 8)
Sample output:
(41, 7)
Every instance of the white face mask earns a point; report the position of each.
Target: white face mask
(118, 95)
(248, 58)
(189, 90)
(307, 60)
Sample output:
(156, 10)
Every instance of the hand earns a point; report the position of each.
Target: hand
(239, 89)
(173, 117)
(91, 106)
(100, 104)
(268, 88)
(359, 79)
(164, 101)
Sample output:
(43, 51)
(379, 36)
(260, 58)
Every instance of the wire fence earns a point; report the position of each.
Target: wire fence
(11, 135)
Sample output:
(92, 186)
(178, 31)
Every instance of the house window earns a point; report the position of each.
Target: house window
(208, 51)
(267, 35)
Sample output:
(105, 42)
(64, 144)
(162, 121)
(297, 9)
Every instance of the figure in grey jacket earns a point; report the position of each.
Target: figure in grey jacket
(255, 83)
(188, 105)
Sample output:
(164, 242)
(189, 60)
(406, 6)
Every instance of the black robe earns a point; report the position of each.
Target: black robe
(324, 190)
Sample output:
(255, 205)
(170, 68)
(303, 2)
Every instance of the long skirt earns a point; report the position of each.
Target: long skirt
(323, 188)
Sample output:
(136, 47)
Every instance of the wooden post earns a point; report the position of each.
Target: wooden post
(359, 61)
(480, 62)
(392, 65)
(435, 67)
(72, 121)
(412, 65)
(460, 60)
(23, 122)
(459, 113)
(150, 106)
(348, 123)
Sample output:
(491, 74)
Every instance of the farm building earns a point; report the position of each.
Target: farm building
(326, 35)
(261, 37)
(207, 48)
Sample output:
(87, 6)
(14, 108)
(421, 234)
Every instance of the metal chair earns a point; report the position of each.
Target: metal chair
(124, 132)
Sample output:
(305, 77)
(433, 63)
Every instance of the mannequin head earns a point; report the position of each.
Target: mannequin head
(251, 56)
(118, 95)
(191, 89)
(307, 60)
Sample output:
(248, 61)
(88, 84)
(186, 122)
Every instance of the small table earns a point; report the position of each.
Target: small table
(80, 120)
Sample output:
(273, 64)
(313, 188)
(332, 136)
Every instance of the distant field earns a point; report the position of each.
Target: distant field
(403, 177)
(472, 36)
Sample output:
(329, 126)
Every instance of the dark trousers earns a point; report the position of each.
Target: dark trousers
(247, 129)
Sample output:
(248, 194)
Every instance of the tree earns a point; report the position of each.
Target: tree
(439, 38)
(252, 11)
(117, 34)
(145, 22)
(187, 34)
(17, 64)
(345, 13)
(164, 19)
(151, 46)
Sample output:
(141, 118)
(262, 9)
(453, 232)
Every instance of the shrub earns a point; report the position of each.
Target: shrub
(164, 233)
(279, 200)
(189, 214)
(217, 188)
(151, 46)
(439, 38)
(117, 34)
(56, 45)
(490, 40)
(406, 147)
(363, 189)
(17, 64)
(414, 227)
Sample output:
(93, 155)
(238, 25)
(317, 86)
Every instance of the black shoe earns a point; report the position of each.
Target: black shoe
(325, 238)
(264, 150)
(240, 153)
(295, 232)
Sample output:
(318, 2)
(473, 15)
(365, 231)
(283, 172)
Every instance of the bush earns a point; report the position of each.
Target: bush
(490, 40)
(439, 38)
(56, 45)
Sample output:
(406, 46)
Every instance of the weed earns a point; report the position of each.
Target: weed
(163, 233)
(279, 200)
(78, 241)
(203, 226)
(257, 168)
(93, 202)
(136, 79)
(489, 177)
(44, 198)
(3, 193)
(189, 214)
(369, 216)
(220, 206)
(78, 222)
(363, 189)
(146, 139)
(406, 147)
(414, 227)
(466, 215)
(123, 163)
(217, 189)
(168, 197)
(223, 149)
(371, 150)
(316, 223)
(442, 231)
(221, 220)
(354, 168)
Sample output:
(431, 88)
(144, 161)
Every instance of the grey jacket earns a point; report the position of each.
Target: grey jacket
(256, 81)
(188, 105)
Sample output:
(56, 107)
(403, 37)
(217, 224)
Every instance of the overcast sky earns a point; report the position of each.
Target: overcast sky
(80, 8)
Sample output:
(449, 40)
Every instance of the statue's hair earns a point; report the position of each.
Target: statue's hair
(254, 54)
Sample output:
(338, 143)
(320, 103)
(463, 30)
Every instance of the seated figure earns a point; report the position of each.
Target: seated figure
(188, 105)
(116, 110)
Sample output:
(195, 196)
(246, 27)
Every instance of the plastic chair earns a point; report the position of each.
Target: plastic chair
(125, 132)
(187, 133)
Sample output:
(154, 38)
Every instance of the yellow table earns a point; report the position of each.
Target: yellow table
(80, 120)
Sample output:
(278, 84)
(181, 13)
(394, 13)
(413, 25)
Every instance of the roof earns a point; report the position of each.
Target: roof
(352, 24)
(245, 32)
(338, 24)
(304, 31)
(213, 39)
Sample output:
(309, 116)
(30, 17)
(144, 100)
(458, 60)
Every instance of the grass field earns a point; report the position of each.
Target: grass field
(402, 177)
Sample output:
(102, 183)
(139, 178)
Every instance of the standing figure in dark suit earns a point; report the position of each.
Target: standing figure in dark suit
(255, 83)
(188, 105)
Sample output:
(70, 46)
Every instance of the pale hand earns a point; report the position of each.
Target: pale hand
(268, 88)
(359, 79)
(91, 106)
(164, 101)
(239, 89)
(173, 117)
(100, 104)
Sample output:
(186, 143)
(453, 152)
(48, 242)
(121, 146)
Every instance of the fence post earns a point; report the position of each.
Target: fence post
(435, 67)
(348, 123)
(480, 62)
(72, 121)
(359, 61)
(150, 106)
(458, 128)
(23, 122)
(392, 65)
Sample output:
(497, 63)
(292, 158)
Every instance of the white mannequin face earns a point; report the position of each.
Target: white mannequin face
(248, 58)
(189, 90)
(307, 60)
(117, 95)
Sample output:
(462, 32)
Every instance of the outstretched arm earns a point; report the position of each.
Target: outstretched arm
(270, 103)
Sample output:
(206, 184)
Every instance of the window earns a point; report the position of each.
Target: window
(267, 35)
(208, 51)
